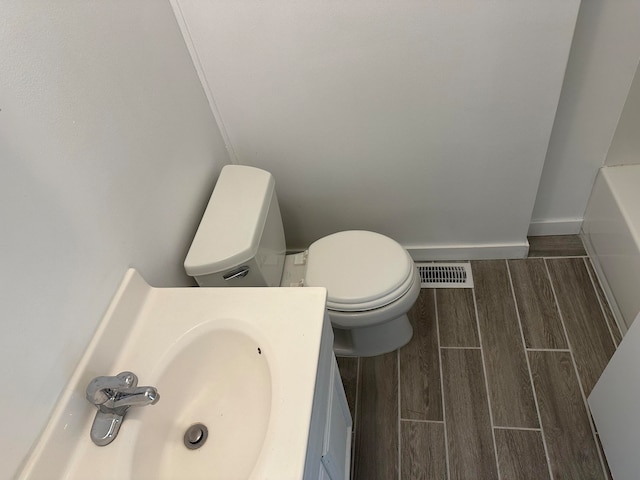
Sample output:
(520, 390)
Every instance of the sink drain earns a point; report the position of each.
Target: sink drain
(195, 436)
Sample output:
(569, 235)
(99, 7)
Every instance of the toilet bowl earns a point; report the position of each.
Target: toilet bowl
(371, 284)
(371, 280)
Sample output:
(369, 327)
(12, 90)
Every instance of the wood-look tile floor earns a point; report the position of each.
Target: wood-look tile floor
(493, 384)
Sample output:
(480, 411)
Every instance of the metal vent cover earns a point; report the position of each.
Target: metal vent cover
(445, 275)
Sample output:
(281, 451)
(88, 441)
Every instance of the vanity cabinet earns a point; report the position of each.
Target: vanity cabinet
(276, 343)
(329, 446)
(336, 451)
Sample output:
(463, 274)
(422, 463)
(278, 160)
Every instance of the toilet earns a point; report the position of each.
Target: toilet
(371, 280)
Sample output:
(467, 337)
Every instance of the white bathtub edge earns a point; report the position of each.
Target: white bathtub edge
(611, 233)
(601, 278)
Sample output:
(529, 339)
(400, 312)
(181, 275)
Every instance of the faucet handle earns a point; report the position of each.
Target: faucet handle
(130, 379)
(113, 396)
(100, 389)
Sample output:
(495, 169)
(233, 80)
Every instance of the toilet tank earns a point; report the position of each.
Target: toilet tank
(240, 241)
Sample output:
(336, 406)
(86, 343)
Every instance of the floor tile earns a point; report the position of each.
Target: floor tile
(423, 454)
(420, 392)
(510, 389)
(570, 442)
(586, 327)
(521, 455)
(388, 448)
(556, 246)
(376, 452)
(467, 418)
(541, 325)
(457, 318)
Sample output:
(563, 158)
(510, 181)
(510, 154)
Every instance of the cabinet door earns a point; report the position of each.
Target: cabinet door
(336, 452)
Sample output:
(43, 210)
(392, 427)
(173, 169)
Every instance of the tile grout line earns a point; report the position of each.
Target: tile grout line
(565, 350)
(486, 386)
(459, 348)
(575, 369)
(560, 256)
(526, 355)
(399, 464)
(604, 315)
(440, 422)
(444, 411)
(526, 429)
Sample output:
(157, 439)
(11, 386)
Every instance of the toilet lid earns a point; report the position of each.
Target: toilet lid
(360, 270)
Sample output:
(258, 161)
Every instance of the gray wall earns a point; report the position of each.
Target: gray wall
(427, 121)
(625, 146)
(109, 153)
(603, 61)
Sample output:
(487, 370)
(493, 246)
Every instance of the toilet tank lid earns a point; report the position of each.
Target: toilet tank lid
(230, 230)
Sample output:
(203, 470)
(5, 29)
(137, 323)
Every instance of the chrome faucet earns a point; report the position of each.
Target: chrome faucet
(113, 396)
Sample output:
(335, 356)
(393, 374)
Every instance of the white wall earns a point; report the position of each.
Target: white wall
(603, 61)
(424, 120)
(109, 153)
(625, 146)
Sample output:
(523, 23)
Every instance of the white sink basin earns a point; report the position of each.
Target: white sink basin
(218, 378)
(243, 362)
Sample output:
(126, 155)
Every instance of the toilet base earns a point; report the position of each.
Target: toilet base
(371, 341)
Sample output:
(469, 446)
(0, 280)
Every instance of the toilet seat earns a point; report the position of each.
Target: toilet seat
(361, 270)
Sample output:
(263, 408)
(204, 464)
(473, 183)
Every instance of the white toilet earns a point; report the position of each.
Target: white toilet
(371, 280)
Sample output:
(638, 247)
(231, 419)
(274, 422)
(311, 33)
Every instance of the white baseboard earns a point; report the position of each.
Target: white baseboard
(565, 226)
(460, 252)
(469, 252)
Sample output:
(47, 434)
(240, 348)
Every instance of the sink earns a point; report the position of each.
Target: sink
(244, 362)
(217, 377)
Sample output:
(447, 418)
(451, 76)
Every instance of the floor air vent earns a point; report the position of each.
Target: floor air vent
(445, 275)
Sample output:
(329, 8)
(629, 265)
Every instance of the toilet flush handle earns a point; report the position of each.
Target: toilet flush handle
(238, 273)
